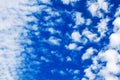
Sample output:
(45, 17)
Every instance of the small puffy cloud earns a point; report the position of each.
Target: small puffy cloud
(88, 21)
(91, 36)
(72, 46)
(117, 13)
(79, 19)
(116, 24)
(76, 36)
(93, 9)
(102, 26)
(42, 58)
(95, 6)
(89, 53)
(52, 30)
(62, 72)
(114, 40)
(103, 5)
(54, 41)
(90, 75)
(68, 58)
(76, 71)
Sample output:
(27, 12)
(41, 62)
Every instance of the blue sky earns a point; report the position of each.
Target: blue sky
(59, 40)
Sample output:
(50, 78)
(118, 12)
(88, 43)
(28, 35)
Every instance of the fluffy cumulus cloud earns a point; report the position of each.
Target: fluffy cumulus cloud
(89, 53)
(54, 41)
(102, 26)
(76, 36)
(72, 39)
(116, 24)
(115, 40)
(72, 46)
(96, 6)
(91, 36)
(79, 20)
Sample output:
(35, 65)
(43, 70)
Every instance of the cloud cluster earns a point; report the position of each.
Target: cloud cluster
(53, 26)
(13, 37)
(105, 65)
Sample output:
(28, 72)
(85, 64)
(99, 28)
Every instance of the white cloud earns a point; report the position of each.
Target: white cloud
(117, 13)
(52, 30)
(95, 6)
(103, 5)
(45, 1)
(67, 2)
(115, 40)
(4, 4)
(113, 58)
(113, 67)
(89, 74)
(109, 55)
(54, 41)
(88, 21)
(42, 58)
(76, 36)
(72, 46)
(89, 53)
(91, 36)
(108, 71)
(93, 9)
(10, 31)
(84, 79)
(108, 76)
(76, 71)
(12, 34)
(68, 58)
(116, 24)
(102, 27)
(62, 72)
(79, 20)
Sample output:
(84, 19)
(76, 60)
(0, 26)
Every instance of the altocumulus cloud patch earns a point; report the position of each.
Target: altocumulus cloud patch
(59, 39)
